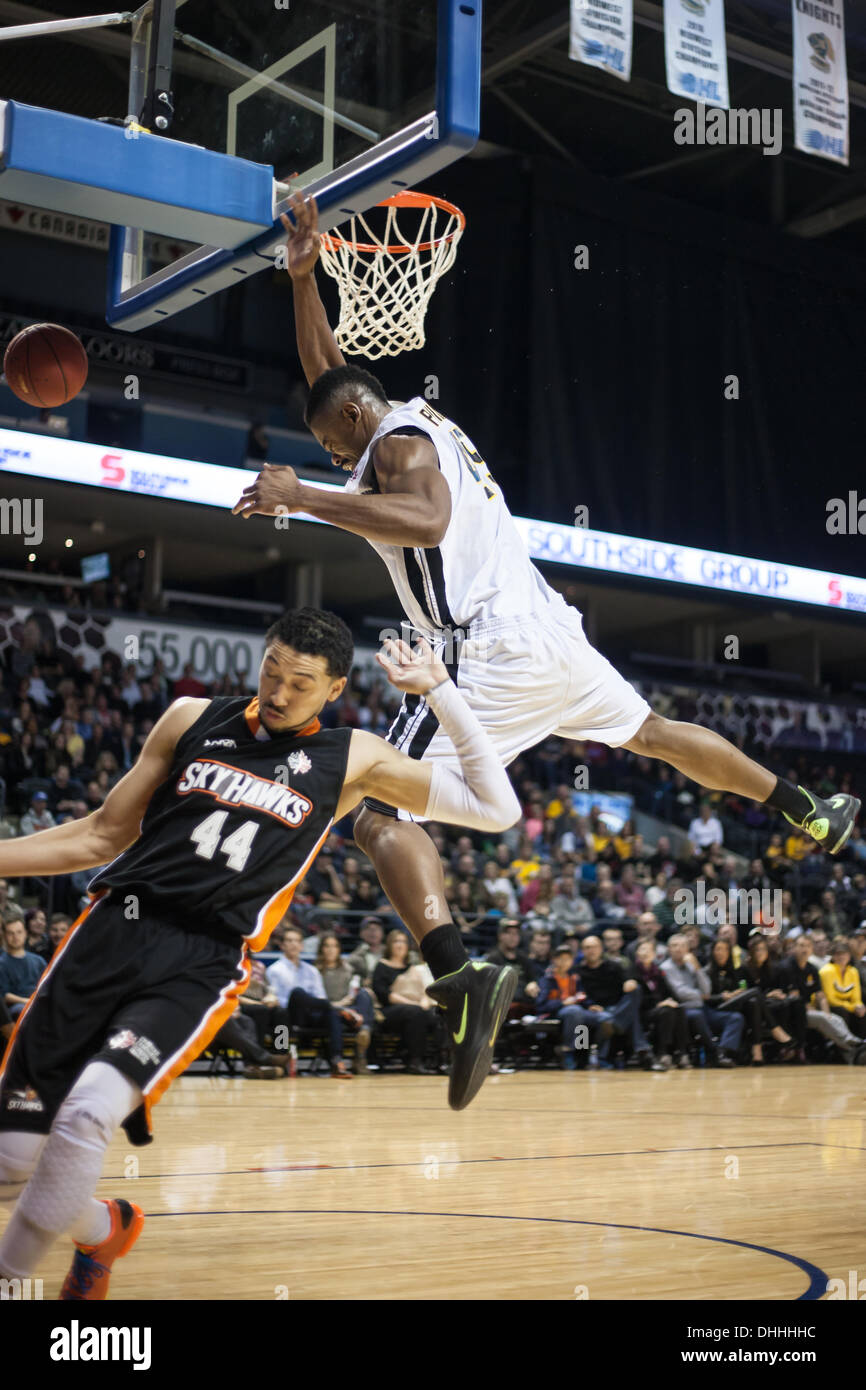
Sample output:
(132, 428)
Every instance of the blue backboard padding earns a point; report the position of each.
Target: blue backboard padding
(88, 169)
(228, 267)
(458, 103)
(458, 73)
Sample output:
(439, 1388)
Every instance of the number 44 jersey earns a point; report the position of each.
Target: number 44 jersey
(232, 831)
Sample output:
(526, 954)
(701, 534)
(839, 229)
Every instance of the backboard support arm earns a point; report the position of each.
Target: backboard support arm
(157, 109)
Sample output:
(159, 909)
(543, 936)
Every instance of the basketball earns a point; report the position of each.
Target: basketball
(45, 365)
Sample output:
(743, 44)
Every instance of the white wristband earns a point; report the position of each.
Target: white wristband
(480, 795)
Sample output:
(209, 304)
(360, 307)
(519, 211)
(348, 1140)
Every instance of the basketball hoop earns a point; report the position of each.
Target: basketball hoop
(386, 282)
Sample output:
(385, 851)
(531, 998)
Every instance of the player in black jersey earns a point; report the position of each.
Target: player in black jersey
(207, 836)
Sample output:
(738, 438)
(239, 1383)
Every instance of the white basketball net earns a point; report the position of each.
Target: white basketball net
(386, 281)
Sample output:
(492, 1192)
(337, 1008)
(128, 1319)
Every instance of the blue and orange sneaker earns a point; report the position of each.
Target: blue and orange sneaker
(88, 1277)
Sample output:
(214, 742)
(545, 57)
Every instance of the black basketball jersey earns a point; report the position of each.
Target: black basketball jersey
(234, 828)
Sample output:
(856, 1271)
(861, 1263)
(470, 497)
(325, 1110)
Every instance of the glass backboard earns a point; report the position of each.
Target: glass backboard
(350, 99)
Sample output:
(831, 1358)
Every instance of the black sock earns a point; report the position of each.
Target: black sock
(790, 800)
(443, 950)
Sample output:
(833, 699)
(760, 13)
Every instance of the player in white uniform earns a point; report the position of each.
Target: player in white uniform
(520, 649)
(422, 496)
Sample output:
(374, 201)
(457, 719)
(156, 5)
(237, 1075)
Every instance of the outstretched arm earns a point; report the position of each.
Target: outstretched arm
(317, 346)
(479, 796)
(99, 837)
(412, 509)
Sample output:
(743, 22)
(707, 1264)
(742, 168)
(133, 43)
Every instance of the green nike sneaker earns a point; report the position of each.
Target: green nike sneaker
(475, 999)
(829, 822)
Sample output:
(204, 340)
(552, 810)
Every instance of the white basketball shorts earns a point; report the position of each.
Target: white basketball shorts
(525, 679)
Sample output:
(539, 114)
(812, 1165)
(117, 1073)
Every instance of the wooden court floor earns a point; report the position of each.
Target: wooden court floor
(743, 1185)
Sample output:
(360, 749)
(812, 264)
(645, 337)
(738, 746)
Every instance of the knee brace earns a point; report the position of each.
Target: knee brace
(85, 1118)
(98, 1103)
(70, 1164)
(19, 1152)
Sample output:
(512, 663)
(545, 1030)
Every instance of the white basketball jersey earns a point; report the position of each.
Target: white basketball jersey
(481, 570)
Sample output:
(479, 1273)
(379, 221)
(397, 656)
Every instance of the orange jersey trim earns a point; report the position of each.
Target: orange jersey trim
(210, 1025)
(251, 715)
(254, 723)
(275, 910)
(271, 914)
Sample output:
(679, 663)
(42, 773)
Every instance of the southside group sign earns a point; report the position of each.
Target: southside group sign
(212, 485)
(683, 564)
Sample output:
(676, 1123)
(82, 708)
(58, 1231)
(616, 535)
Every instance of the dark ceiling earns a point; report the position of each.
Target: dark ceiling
(537, 102)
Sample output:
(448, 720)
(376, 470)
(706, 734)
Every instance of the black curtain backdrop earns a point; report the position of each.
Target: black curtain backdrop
(606, 386)
(478, 324)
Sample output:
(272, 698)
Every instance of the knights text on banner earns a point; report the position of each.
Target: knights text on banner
(820, 79)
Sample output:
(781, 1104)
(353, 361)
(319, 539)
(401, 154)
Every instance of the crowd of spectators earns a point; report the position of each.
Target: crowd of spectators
(592, 917)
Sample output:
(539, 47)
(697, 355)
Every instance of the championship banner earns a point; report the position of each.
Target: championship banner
(820, 79)
(696, 57)
(600, 35)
